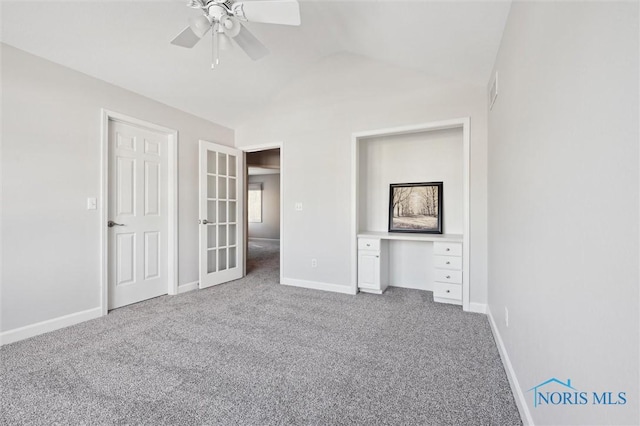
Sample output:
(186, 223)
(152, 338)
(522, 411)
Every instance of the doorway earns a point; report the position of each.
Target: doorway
(263, 219)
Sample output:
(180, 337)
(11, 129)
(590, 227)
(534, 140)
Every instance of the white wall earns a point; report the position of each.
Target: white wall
(563, 203)
(414, 157)
(270, 225)
(314, 117)
(51, 164)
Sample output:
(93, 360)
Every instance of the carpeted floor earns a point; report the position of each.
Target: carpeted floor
(252, 352)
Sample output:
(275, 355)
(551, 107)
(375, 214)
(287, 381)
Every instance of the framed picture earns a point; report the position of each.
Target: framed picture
(415, 207)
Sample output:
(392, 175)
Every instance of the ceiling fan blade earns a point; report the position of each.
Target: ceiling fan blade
(284, 12)
(250, 44)
(187, 38)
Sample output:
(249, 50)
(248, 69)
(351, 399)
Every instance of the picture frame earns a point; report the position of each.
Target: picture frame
(416, 207)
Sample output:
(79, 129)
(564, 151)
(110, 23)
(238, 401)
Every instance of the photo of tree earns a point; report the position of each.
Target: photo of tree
(416, 207)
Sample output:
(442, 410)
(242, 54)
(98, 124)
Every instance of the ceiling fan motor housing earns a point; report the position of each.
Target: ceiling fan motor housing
(216, 12)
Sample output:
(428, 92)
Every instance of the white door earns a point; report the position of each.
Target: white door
(221, 207)
(138, 225)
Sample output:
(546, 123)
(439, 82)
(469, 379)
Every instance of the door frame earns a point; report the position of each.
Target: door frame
(172, 201)
(256, 148)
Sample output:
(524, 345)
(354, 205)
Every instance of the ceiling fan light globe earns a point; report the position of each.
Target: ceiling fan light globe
(231, 26)
(200, 25)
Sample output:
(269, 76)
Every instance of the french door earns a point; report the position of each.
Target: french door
(221, 233)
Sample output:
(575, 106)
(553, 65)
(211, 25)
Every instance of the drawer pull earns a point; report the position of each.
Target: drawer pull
(368, 245)
(448, 249)
(448, 276)
(448, 263)
(448, 291)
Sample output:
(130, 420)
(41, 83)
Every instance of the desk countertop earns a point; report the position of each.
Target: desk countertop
(409, 236)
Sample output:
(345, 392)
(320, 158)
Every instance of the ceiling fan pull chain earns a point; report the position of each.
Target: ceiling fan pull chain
(215, 59)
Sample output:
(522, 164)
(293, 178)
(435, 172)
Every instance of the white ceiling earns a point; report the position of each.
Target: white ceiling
(127, 43)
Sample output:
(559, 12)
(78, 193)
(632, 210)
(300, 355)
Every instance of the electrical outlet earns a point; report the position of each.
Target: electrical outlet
(506, 316)
(298, 206)
(314, 263)
(92, 203)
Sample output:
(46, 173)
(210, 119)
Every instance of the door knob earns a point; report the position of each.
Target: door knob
(204, 222)
(111, 224)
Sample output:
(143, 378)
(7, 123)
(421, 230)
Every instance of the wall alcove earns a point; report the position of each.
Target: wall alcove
(437, 151)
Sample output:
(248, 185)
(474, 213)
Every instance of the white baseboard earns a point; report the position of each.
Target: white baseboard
(480, 308)
(523, 408)
(32, 330)
(187, 287)
(315, 285)
(424, 286)
(275, 240)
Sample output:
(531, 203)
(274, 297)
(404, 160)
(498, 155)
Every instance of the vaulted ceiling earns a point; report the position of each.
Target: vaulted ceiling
(127, 43)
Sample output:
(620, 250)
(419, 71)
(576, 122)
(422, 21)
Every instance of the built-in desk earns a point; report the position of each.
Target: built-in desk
(373, 262)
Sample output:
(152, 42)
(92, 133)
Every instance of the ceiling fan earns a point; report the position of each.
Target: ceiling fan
(224, 18)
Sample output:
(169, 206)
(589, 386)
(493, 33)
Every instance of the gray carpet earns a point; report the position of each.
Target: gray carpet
(256, 353)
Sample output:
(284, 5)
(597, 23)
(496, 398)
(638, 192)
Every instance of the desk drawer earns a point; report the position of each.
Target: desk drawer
(447, 249)
(447, 262)
(448, 291)
(447, 276)
(368, 244)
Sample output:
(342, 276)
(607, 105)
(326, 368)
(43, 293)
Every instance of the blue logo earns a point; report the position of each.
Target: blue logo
(557, 392)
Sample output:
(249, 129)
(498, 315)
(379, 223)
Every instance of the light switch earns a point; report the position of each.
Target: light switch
(92, 203)
(299, 206)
